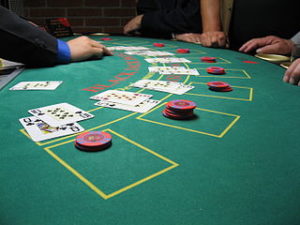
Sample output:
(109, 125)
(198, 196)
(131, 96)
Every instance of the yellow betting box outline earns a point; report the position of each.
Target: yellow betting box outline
(250, 97)
(236, 118)
(242, 72)
(98, 190)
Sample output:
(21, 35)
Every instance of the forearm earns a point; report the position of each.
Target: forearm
(210, 14)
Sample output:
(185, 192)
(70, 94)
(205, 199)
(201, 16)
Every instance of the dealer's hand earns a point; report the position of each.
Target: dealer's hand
(268, 45)
(189, 37)
(213, 39)
(292, 75)
(83, 48)
(133, 25)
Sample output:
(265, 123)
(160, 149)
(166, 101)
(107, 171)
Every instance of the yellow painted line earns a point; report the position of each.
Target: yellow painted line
(76, 173)
(230, 126)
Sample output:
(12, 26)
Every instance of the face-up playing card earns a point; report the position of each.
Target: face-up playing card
(36, 85)
(158, 69)
(123, 97)
(164, 86)
(142, 107)
(179, 71)
(149, 53)
(127, 48)
(167, 60)
(40, 131)
(60, 114)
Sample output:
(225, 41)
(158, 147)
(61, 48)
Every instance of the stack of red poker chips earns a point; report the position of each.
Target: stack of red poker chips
(93, 141)
(208, 59)
(179, 109)
(106, 39)
(216, 70)
(158, 44)
(183, 50)
(219, 86)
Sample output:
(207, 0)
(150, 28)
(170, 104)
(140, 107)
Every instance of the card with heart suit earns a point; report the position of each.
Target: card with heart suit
(164, 86)
(167, 60)
(60, 114)
(36, 85)
(142, 107)
(123, 97)
(40, 131)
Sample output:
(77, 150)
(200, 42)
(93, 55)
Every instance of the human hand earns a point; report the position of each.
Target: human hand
(83, 48)
(133, 25)
(189, 37)
(268, 45)
(213, 39)
(292, 75)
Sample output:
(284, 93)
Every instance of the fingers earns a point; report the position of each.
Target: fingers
(292, 75)
(252, 45)
(213, 39)
(269, 49)
(189, 37)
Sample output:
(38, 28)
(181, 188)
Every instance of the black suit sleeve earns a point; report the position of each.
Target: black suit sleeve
(162, 17)
(22, 42)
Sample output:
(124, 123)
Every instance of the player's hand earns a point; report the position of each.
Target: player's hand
(189, 37)
(268, 45)
(213, 39)
(83, 48)
(292, 75)
(133, 25)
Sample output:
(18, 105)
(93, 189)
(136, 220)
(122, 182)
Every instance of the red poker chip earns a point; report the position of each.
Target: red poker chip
(106, 39)
(176, 117)
(181, 105)
(227, 89)
(177, 113)
(216, 70)
(93, 139)
(208, 59)
(159, 44)
(183, 50)
(218, 84)
(94, 149)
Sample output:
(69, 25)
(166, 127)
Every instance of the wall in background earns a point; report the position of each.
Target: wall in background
(107, 16)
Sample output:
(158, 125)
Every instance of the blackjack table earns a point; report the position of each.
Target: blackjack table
(236, 163)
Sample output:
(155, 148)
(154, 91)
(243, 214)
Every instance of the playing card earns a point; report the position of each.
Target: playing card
(164, 86)
(158, 69)
(123, 97)
(179, 71)
(142, 107)
(36, 85)
(149, 53)
(167, 60)
(60, 114)
(40, 131)
(127, 48)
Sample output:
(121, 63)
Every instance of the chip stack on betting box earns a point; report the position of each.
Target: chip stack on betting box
(179, 110)
(219, 86)
(93, 141)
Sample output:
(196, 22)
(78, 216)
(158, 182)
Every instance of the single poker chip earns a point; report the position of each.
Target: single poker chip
(93, 139)
(181, 104)
(94, 149)
(227, 89)
(158, 44)
(183, 50)
(216, 70)
(217, 84)
(106, 39)
(208, 59)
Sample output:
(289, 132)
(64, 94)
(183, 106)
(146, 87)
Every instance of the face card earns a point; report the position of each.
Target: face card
(122, 97)
(36, 85)
(40, 131)
(60, 114)
(167, 60)
(142, 107)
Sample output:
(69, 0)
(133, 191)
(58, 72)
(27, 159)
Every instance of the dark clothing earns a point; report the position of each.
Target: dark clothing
(164, 17)
(22, 42)
(259, 18)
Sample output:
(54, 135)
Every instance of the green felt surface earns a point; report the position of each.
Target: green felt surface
(236, 164)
